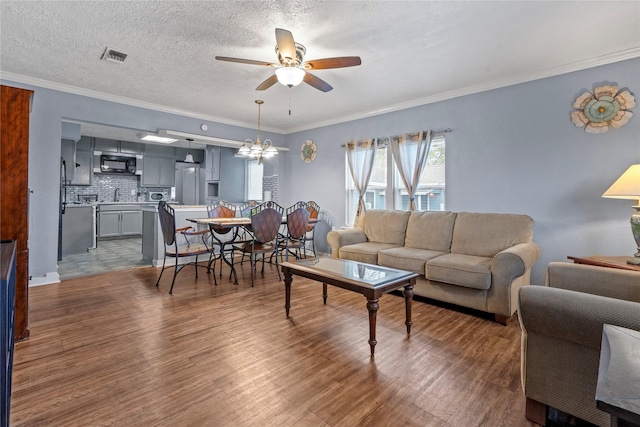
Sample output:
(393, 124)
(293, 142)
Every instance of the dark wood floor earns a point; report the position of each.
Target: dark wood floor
(114, 350)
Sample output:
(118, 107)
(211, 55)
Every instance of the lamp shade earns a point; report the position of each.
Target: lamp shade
(627, 186)
(290, 76)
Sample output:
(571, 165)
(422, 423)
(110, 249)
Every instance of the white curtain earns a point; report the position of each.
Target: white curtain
(360, 156)
(410, 153)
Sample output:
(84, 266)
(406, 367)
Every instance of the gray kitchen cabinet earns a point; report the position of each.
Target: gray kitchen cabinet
(120, 223)
(106, 145)
(78, 157)
(181, 154)
(131, 223)
(212, 163)
(109, 224)
(112, 146)
(159, 151)
(127, 147)
(83, 170)
(158, 171)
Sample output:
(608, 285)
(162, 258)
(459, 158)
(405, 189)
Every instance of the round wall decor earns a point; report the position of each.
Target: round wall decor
(308, 151)
(607, 107)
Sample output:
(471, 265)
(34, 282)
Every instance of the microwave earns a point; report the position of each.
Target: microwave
(117, 164)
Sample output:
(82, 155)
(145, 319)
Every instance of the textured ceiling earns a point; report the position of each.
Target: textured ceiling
(413, 52)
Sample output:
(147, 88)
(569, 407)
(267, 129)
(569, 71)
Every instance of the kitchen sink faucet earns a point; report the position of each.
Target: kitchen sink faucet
(116, 197)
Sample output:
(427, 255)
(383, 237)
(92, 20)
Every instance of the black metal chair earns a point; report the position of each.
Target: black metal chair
(314, 211)
(171, 248)
(223, 237)
(294, 242)
(265, 223)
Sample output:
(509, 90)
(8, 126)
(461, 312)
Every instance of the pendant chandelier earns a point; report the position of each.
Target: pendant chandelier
(258, 149)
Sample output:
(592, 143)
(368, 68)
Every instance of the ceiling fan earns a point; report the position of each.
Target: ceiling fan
(291, 71)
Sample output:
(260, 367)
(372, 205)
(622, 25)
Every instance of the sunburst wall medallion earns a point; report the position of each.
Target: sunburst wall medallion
(607, 107)
(308, 151)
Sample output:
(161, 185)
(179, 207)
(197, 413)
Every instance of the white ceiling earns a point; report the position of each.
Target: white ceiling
(413, 52)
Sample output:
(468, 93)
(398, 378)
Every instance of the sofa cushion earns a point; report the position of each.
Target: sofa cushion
(386, 226)
(430, 230)
(462, 270)
(364, 252)
(486, 234)
(404, 258)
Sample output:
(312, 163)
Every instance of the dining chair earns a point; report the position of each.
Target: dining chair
(297, 222)
(245, 212)
(314, 211)
(191, 247)
(265, 223)
(223, 237)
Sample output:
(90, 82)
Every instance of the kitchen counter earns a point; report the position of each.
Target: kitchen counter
(78, 228)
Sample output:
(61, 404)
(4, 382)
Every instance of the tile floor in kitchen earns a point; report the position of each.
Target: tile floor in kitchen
(110, 255)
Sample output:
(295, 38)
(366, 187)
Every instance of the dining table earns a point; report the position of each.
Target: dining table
(236, 223)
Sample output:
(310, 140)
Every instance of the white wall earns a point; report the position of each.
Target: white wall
(512, 150)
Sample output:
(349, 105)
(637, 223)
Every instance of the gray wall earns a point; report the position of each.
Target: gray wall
(512, 150)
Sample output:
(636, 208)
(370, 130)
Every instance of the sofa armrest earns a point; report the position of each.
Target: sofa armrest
(514, 262)
(573, 316)
(603, 281)
(339, 238)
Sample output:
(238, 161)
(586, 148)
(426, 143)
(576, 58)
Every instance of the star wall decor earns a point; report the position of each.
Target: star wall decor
(607, 107)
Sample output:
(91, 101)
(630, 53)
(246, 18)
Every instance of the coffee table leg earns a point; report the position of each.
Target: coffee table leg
(324, 292)
(408, 297)
(372, 306)
(288, 277)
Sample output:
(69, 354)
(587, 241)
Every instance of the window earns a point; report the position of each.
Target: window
(254, 180)
(386, 189)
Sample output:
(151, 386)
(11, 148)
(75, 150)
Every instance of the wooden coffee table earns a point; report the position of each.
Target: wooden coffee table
(369, 280)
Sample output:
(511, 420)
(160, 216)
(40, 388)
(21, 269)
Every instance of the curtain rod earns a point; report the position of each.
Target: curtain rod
(433, 132)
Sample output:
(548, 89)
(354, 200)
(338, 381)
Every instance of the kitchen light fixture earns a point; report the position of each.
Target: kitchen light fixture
(155, 138)
(628, 187)
(189, 157)
(258, 150)
(290, 76)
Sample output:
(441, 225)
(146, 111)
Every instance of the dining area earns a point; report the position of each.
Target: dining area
(231, 234)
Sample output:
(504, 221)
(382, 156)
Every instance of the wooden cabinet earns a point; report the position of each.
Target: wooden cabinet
(212, 163)
(120, 223)
(14, 192)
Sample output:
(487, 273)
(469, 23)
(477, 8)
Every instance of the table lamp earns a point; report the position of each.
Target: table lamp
(628, 187)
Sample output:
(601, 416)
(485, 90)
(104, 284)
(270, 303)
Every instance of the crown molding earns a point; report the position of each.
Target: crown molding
(470, 90)
(18, 78)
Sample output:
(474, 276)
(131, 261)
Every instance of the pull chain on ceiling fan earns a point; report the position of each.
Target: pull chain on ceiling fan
(291, 70)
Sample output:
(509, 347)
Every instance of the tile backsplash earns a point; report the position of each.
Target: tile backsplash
(104, 185)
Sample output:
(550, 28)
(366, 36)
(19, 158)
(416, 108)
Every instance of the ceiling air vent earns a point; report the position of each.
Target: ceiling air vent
(113, 56)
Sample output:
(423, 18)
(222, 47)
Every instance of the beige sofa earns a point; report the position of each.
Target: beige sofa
(476, 260)
(562, 332)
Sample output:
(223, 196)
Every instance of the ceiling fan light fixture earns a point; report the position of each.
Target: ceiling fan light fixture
(290, 76)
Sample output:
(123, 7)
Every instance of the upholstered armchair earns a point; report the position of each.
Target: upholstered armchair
(562, 332)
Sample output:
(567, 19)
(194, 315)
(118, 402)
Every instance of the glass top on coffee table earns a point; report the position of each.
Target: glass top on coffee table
(367, 275)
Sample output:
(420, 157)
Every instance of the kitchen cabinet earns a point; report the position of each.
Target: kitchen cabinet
(119, 223)
(212, 163)
(111, 146)
(158, 171)
(83, 163)
(181, 154)
(14, 192)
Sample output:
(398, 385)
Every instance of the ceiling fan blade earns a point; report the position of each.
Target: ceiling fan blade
(319, 84)
(286, 44)
(268, 83)
(338, 62)
(245, 61)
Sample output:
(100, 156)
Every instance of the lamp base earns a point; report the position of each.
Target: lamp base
(635, 229)
(634, 261)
